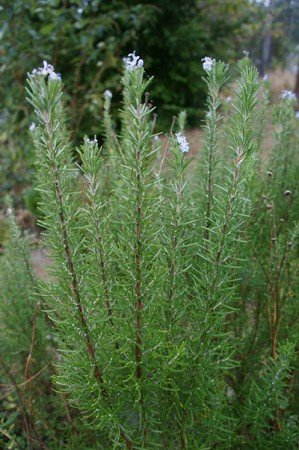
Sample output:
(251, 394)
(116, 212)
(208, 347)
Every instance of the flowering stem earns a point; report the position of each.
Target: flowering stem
(211, 162)
(138, 284)
(69, 259)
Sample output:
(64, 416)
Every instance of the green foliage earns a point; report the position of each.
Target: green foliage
(16, 315)
(32, 414)
(86, 41)
(266, 400)
(173, 278)
(23, 335)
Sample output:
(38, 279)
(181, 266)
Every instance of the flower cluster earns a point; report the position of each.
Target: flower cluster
(107, 94)
(207, 63)
(90, 141)
(32, 126)
(183, 143)
(47, 70)
(133, 61)
(288, 95)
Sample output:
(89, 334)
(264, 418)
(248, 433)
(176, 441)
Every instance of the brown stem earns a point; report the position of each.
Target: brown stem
(127, 440)
(32, 341)
(274, 333)
(29, 360)
(138, 292)
(275, 292)
(75, 287)
(172, 270)
(138, 289)
(74, 282)
(155, 115)
(99, 240)
(174, 241)
(70, 263)
(277, 303)
(71, 267)
(28, 419)
(228, 215)
(209, 190)
(103, 271)
(24, 383)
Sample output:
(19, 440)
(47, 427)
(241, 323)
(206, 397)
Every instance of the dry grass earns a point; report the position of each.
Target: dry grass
(40, 260)
(280, 80)
(194, 138)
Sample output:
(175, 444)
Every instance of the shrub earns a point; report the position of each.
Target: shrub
(172, 283)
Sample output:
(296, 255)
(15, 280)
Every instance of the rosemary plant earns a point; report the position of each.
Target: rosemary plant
(158, 344)
(23, 336)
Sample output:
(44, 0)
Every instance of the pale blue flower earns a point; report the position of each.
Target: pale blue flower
(288, 95)
(107, 94)
(47, 70)
(207, 63)
(133, 61)
(32, 126)
(182, 141)
(90, 141)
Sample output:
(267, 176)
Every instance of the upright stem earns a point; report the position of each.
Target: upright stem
(29, 358)
(69, 259)
(209, 199)
(275, 292)
(172, 266)
(227, 218)
(211, 159)
(75, 288)
(101, 255)
(138, 246)
(138, 284)
(175, 238)
(103, 271)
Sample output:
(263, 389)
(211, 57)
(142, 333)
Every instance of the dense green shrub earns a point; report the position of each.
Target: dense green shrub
(172, 292)
(32, 414)
(23, 339)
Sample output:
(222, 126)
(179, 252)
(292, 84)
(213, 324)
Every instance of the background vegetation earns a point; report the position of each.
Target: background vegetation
(86, 41)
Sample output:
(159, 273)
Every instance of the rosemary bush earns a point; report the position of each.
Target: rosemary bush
(23, 336)
(173, 278)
